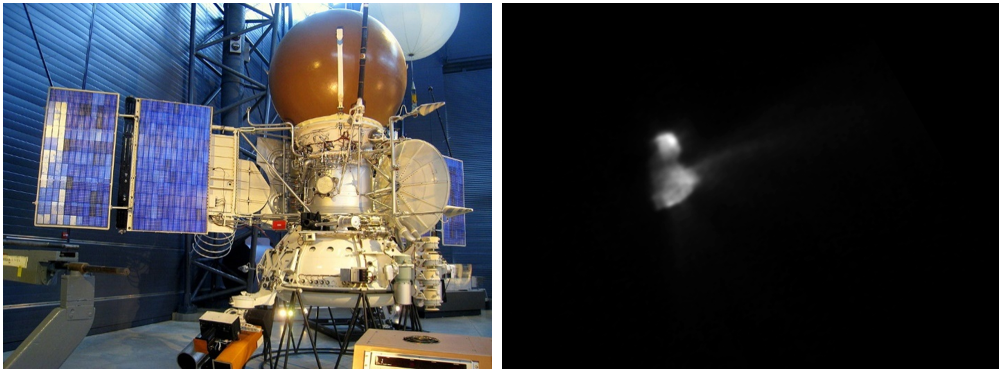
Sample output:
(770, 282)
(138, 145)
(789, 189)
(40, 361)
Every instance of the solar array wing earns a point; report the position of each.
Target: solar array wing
(75, 170)
(454, 228)
(170, 168)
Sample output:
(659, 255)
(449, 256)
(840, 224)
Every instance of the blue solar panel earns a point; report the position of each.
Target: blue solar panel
(454, 228)
(78, 145)
(171, 166)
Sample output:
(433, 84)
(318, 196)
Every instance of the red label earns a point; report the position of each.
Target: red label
(278, 225)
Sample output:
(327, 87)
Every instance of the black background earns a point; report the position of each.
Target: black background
(841, 219)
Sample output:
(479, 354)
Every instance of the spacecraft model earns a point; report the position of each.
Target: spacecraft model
(365, 197)
(358, 202)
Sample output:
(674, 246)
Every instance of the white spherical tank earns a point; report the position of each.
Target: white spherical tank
(421, 29)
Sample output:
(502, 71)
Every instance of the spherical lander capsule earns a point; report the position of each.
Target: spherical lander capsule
(308, 69)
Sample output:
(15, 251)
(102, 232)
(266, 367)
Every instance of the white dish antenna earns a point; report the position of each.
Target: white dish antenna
(422, 185)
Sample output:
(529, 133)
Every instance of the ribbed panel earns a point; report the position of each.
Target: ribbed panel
(62, 32)
(141, 50)
(25, 88)
(469, 113)
(472, 37)
(135, 49)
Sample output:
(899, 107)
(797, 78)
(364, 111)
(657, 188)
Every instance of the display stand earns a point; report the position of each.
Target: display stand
(287, 335)
(369, 318)
(363, 317)
(408, 314)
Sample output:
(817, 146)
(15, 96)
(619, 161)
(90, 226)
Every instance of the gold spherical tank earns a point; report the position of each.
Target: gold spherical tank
(304, 69)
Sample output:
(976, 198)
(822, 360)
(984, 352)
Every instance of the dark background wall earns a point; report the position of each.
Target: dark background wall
(132, 49)
(833, 225)
(141, 50)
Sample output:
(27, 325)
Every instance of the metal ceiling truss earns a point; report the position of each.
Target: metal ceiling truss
(208, 274)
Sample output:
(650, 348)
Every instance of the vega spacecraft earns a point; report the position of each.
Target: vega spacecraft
(365, 197)
(357, 201)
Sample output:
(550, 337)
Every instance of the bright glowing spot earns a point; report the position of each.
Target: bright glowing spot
(667, 145)
(671, 181)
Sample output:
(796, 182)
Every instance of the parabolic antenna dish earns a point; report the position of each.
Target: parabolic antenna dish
(422, 185)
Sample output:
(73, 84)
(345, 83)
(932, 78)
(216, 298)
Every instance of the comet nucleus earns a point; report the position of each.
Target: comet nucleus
(671, 182)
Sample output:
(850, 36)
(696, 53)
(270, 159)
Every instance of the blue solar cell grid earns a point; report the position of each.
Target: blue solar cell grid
(171, 167)
(74, 173)
(454, 229)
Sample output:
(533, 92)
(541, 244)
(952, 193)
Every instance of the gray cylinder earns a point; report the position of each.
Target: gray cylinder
(189, 359)
(402, 292)
(402, 283)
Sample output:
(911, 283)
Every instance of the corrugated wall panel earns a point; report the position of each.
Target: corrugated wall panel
(136, 49)
(472, 37)
(25, 87)
(63, 27)
(142, 50)
(469, 113)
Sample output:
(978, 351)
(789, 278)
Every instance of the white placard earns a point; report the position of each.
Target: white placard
(16, 261)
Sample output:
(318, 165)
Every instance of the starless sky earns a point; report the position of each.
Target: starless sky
(826, 230)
